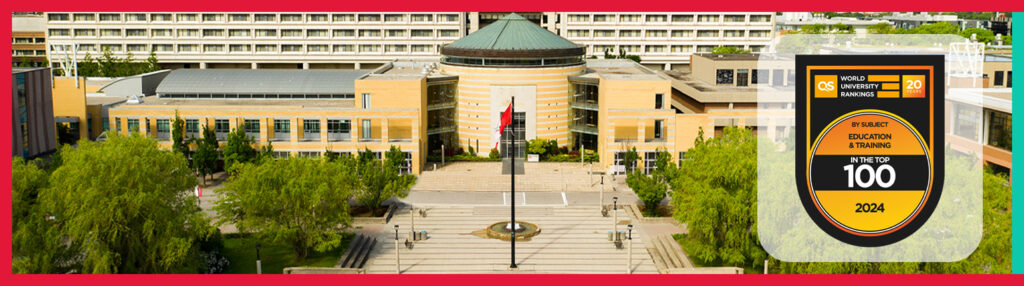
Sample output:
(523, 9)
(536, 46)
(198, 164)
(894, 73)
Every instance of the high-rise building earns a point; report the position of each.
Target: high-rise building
(28, 43)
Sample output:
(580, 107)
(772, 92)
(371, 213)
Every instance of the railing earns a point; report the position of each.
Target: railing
(221, 136)
(584, 128)
(339, 136)
(399, 139)
(282, 136)
(163, 135)
(441, 105)
(311, 136)
(255, 135)
(439, 130)
(584, 104)
(654, 139)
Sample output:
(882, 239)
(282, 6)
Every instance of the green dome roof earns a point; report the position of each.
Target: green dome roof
(512, 32)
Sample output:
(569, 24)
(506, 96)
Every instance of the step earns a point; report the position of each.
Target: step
(350, 252)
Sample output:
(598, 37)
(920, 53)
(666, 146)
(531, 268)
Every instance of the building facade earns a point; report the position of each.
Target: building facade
(32, 127)
(427, 108)
(28, 39)
(368, 40)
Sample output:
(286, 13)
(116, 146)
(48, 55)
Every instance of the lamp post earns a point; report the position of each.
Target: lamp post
(398, 260)
(615, 218)
(259, 264)
(629, 251)
(412, 222)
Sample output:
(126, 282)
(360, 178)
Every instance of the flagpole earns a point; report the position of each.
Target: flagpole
(512, 115)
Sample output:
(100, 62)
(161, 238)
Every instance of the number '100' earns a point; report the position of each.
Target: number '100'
(874, 176)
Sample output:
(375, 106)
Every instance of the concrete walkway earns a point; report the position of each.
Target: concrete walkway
(538, 177)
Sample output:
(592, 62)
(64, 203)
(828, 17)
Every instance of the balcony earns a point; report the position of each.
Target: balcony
(584, 128)
(282, 136)
(439, 130)
(440, 105)
(583, 104)
(163, 135)
(337, 136)
(308, 136)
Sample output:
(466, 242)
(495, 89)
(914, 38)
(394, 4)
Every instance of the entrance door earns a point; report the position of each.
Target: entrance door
(518, 129)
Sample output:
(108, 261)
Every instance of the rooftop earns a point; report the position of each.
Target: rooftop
(260, 81)
(151, 101)
(619, 69)
(513, 32)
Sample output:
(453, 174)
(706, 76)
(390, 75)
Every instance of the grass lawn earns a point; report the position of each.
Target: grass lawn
(241, 251)
(685, 242)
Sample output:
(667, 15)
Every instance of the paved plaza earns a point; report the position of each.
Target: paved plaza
(539, 177)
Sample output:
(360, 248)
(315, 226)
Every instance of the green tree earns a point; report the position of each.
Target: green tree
(649, 189)
(716, 196)
(152, 64)
(630, 158)
(841, 28)
(302, 201)
(935, 28)
(729, 50)
(983, 35)
(36, 241)
(205, 158)
(239, 148)
(881, 28)
(127, 205)
(494, 154)
(108, 64)
(88, 67)
(267, 152)
(814, 29)
(25, 62)
(380, 181)
(178, 136)
(537, 146)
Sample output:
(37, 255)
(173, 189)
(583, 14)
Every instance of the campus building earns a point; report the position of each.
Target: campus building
(986, 127)
(608, 106)
(32, 127)
(28, 39)
(368, 40)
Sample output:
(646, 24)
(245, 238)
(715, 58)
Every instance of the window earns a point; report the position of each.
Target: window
(344, 48)
(221, 126)
(682, 18)
(317, 48)
(192, 127)
(291, 48)
(136, 47)
(188, 32)
(188, 48)
(657, 18)
(213, 17)
(339, 129)
(707, 34)
(110, 47)
(657, 33)
(707, 18)
(733, 33)
(162, 47)
(266, 48)
(422, 48)
(187, 17)
(110, 32)
(85, 33)
(316, 17)
(394, 33)
(449, 17)
(406, 166)
(682, 157)
(85, 17)
(659, 99)
(395, 48)
(758, 76)
(629, 18)
(629, 33)
(265, 17)
(162, 32)
(448, 33)
(604, 33)
(110, 17)
(998, 78)
(133, 125)
(603, 18)
(967, 122)
(239, 48)
(579, 33)
(239, 17)
(999, 130)
(311, 129)
(579, 17)
(266, 33)
(252, 128)
(734, 18)
(213, 33)
(759, 33)
(135, 32)
(291, 18)
(724, 76)
(234, 33)
(346, 33)
(213, 48)
(422, 33)
(742, 75)
(163, 128)
(320, 33)
(682, 49)
(163, 17)
(296, 33)
(1009, 79)
(369, 33)
(655, 49)
(369, 48)
(650, 162)
(343, 17)
(367, 129)
(394, 18)
(57, 17)
(369, 18)
(117, 124)
(760, 18)
(366, 101)
(282, 129)
(422, 17)
(59, 32)
(630, 48)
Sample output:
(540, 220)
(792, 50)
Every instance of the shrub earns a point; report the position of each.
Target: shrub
(494, 155)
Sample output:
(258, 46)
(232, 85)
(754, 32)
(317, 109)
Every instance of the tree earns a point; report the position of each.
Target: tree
(205, 158)
(814, 29)
(178, 136)
(649, 189)
(630, 158)
(881, 28)
(267, 152)
(239, 148)
(152, 64)
(302, 201)
(983, 35)
(729, 50)
(380, 181)
(841, 28)
(715, 194)
(36, 244)
(935, 28)
(126, 205)
(25, 62)
(88, 67)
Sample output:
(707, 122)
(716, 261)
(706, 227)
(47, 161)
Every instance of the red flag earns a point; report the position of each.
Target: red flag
(506, 119)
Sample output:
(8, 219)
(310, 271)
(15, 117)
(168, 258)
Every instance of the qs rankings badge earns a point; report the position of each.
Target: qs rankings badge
(869, 145)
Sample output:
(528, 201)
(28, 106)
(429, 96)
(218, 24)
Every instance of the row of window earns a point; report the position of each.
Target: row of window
(1002, 78)
(599, 49)
(271, 96)
(337, 129)
(259, 33)
(259, 48)
(746, 77)
(28, 53)
(663, 18)
(23, 40)
(581, 33)
(259, 17)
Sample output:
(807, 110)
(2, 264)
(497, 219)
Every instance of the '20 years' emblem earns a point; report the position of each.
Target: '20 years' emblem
(869, 145)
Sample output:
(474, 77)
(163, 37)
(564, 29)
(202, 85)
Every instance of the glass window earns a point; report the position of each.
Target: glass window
(252, 126)
(367, 129)
(682, 18)
(192, 127)
(291, 18)
(999, 78)
(343, 17)
(162, 17)
(348, 33)
(282, 125)
(265, 17)
(366, 101)
(133, 125)
(239, 17)
(724, 76)
(221, 126)
(659, 100)
(967, 123)
(163, 125)
(999, 130)
(369, 18)
(110, 17)
(316, 17)
(311, 126)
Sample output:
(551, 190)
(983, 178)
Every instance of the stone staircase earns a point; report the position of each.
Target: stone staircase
(358, 252)
(572, 240)
(667, 254)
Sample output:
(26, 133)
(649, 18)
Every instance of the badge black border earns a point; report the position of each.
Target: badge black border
(936, 138)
